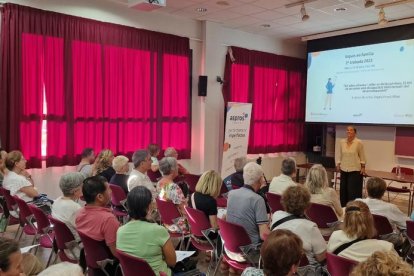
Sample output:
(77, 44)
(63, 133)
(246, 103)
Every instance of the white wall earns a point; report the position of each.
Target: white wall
(209, 43)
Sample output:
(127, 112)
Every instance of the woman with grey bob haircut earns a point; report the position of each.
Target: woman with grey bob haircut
(66, 207)
(317, 183)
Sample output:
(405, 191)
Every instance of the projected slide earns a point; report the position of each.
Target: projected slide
(366, 84)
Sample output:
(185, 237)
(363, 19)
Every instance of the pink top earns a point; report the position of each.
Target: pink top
(97, 223)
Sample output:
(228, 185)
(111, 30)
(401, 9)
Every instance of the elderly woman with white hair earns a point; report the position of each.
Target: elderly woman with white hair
(121, 167)
(66, 207)
(317, 183)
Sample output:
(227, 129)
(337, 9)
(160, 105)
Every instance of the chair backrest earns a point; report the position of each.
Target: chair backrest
(404, 170)
(43, 223)
(24, 210)
(10, 202)
(321, 214)
(118, 194)
(131, 265)
(274, 202)
(382, 224)
(339, 266)
(233, 235)
(168, 211)
(63, 235)
(154, 176)
(95, 251)
(197, 220)
(191, 180)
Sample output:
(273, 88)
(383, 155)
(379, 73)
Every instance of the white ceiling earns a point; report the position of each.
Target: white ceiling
(285, 23)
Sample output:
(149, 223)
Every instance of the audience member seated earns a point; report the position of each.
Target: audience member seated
(383, 263)
(62, 269)
(204, 199)
(170, 191)
(14, 263)
(317, 183)
(96, 220)
(280, 183)
(154, 151)
(376, 188)
(144, 239)
(295, 200)
(281, 253)
(18, 180)
(248, 209)
(66, 207)
(121, 167)
(358, 234)
(171, 152)
(85, 165)
(103, 165)
(138, 176)
(3, 170)
(236, 179)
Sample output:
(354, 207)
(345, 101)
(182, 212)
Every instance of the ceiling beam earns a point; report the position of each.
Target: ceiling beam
(393, 3)
(299, 3)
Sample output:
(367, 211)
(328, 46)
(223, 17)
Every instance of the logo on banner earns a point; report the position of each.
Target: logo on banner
(239, 118)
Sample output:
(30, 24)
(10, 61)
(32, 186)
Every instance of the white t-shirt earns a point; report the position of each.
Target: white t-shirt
(280, 183)
(66, 210)
(388, 210)
(358, 251)
(14, 182)
(137, 178)
(313, 242)
(85, 169)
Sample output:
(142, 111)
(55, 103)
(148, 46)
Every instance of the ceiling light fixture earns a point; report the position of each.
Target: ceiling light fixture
(369, 3)
(305, 16)
(382, 20)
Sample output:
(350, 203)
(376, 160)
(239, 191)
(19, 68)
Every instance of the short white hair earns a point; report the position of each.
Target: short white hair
(119, 162)
(252, 173)
(62, 269)
(169, 152)
(239, 163)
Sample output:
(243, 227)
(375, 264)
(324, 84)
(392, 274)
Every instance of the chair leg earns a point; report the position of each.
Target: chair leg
(218, 265)
(21, 234)
(50, 257)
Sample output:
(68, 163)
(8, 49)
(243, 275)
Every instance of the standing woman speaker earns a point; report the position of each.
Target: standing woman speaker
(350, 162)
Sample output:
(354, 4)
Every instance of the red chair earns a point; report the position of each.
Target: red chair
(324, 217)
(407, 171)
(200, 228)
(339, 266)
(274, 202)
(64, 241)
(118, 199)
(97, 255)
(130, 265)
(168, 213)
(45, 233)
(191, 180)
(154, 176)
(383, 226)
(234, 236)
(25, 217)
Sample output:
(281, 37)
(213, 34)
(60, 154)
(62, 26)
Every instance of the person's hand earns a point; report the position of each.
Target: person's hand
(363, 170)
(338, 168)
(25, 174)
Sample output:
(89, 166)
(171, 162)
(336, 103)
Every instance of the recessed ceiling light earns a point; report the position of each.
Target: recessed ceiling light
(201, 9)
(340, 9)
(223, 3)
(265, 25)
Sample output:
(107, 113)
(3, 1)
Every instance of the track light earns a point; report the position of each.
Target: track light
(369, 3)
(305, 16)
(381, 17)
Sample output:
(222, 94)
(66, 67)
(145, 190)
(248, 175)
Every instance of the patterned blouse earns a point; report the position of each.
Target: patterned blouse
(171, 192)
(251, 271)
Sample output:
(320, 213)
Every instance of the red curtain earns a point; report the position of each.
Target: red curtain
(105, 86)
(275, 85)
